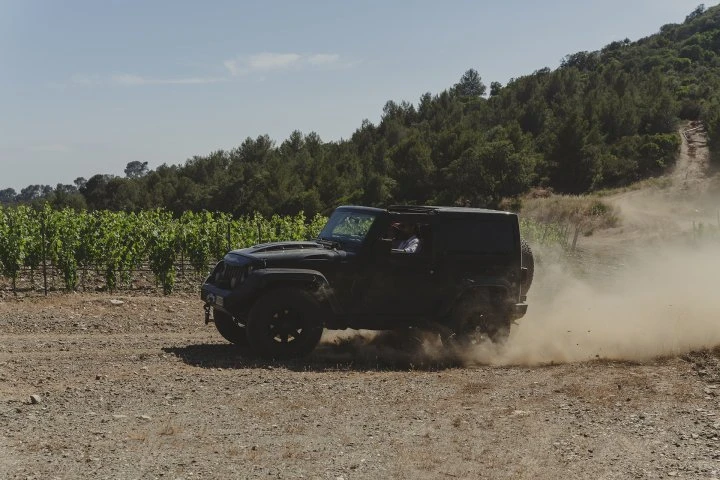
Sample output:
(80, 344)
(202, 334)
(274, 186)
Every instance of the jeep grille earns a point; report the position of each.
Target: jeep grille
(229, 276)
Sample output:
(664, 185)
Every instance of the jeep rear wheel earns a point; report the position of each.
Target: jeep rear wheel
(496, 331)
(285, 323)
(499, 332)
(476, 317)
(229, 328)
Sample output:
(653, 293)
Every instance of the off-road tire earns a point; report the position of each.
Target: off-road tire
(230, 329)
(285, 323)
(499, 333)
(527, 261)
(476, 317)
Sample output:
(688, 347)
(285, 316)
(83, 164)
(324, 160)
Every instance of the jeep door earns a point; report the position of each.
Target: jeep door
(403, 284)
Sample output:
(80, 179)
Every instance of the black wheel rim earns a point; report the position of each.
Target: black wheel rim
(286, 326)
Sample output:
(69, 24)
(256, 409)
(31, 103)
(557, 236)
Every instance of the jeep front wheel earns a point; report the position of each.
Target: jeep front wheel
(284, 323)
(229, 328)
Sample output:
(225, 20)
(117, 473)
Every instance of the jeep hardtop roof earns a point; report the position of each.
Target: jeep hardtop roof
(423, 209)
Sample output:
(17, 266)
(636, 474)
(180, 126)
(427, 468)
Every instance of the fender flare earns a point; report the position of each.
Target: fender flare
(266, 277)
(307, 279)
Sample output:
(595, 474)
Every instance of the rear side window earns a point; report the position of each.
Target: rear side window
(481, 236)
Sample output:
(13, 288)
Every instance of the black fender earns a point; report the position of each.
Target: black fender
(264, 280)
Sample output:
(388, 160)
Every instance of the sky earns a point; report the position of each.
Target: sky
(87, 86)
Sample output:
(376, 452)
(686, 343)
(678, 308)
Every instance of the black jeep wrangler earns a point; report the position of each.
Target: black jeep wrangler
(466, 277)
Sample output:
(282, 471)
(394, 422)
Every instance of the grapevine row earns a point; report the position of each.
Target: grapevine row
(117, 243)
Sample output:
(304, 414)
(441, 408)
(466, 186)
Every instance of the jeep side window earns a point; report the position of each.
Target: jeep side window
(479, 237)
(405, 239)
(347, 226)
(410, 237)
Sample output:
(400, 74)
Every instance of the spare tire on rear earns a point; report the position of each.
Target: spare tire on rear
(528, 262)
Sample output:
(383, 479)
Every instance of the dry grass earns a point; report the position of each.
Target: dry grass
(590, 212)
(655, 183)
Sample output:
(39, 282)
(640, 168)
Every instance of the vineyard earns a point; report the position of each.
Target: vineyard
(116, 245)
(69, 247)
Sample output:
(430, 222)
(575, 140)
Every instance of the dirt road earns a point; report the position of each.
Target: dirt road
(145, 390)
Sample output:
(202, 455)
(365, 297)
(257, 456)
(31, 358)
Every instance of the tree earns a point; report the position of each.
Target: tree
(136, 169)
(95, 191)
(581, 61)
(33, 192)
(699, 10)
(470, 85)
(7, 195)
(80, 182)
(413, 171)
(67, 196)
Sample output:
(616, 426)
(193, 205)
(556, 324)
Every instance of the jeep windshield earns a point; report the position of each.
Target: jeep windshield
(348, 228)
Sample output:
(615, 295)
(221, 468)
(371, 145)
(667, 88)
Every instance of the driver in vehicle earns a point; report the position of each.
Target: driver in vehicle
(406, 238)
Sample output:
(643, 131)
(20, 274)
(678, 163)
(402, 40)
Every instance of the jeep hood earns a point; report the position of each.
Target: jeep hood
(279, 253)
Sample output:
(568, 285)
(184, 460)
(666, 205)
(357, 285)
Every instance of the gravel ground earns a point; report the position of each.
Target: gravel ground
(90, 388)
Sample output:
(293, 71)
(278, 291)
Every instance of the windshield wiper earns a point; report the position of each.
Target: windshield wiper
(328, 243)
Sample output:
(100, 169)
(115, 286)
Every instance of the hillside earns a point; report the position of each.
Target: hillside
(602, 119)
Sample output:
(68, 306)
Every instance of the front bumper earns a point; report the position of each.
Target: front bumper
(230, 301)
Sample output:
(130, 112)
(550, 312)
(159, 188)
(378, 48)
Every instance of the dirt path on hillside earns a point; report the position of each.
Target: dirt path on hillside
(614, 374)
(669, 206)
(659, 212)
(691, 170)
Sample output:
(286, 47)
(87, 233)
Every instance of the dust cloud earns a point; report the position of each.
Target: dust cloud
(649, 290)
(664, 302)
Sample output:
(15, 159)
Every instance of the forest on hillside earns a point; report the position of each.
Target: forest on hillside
(601, 119)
